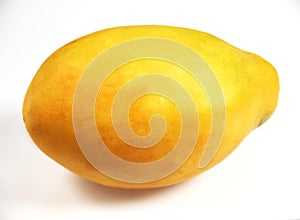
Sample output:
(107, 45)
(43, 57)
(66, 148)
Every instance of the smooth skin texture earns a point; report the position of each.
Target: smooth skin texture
(249, 83)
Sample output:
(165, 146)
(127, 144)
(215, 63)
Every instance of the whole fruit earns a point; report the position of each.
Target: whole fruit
(93, 105)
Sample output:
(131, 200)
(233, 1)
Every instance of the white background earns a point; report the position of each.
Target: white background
(260, 180)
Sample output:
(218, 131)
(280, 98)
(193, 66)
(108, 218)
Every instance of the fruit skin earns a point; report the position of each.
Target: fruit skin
(249, 83)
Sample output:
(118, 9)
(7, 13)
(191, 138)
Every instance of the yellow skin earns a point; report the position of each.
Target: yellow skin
(249, 83)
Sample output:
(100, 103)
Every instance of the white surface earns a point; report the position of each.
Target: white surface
(260, 180)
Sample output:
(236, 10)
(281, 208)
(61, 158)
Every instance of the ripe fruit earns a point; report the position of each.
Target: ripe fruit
(248, 84)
